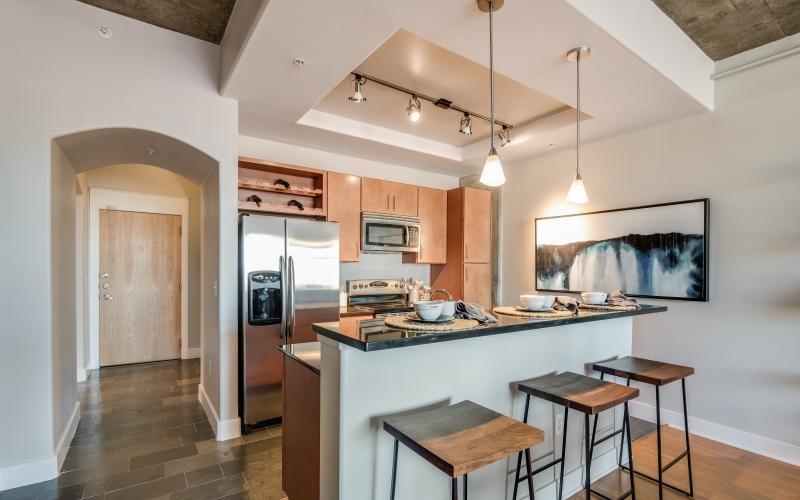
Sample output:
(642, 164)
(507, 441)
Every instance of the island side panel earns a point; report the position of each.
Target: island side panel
(372, 385)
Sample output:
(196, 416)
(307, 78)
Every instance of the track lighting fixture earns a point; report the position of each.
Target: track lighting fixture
(414, 109)
(357, 96)
(492, 174)
(466, 125)
(504, 136)
(577, 191)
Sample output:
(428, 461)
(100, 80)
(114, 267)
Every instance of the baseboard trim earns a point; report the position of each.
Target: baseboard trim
(66, 437)
(191, 353)
(83, 373)
(761, 445)
(223, 430)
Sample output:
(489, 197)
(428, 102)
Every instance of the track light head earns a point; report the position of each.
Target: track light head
(357, 96)
(466, 125)
(414, 109)
(504, 136)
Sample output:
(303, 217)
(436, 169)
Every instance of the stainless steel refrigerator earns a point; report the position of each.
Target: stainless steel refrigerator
(289, 279)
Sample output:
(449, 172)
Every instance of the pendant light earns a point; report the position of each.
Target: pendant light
(577, 192)
(492, 174)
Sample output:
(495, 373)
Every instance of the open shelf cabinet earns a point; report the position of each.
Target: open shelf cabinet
(261, 179)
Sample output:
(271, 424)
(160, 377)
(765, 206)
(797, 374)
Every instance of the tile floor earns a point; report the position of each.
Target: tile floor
(143, 434)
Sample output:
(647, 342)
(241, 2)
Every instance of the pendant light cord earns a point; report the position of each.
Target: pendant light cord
(491, 69)
(578, 119)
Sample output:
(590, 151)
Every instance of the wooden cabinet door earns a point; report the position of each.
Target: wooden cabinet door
(404, 199)
(344, 207)
(376, 195)
(477, 225)
(478, 284)
(432, 205)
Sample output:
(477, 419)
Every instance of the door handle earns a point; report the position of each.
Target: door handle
(107, 297)
(290, 332)
(105, 286)
(105, 276)
(284, 280)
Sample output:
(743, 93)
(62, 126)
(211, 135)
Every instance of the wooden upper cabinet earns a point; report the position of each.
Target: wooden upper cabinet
(478, 284)
(404, 199)
(477, 226)
(388, 197)
(344, 207)
(432, 210)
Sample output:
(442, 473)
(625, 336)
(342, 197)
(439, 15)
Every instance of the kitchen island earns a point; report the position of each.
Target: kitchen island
(370, 371)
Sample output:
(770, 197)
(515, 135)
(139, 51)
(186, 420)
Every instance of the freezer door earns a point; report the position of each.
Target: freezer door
(312, 250)
(263, 247)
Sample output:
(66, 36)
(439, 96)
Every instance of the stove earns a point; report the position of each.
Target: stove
(381, 297)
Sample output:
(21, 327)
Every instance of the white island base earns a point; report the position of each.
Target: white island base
(360, 388)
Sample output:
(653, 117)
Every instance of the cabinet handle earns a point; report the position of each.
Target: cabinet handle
(394, 202)
(466, 273)
(466, 250)
(420, 252)
(387, 202)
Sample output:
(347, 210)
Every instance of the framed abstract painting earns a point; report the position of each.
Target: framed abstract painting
(656, 251)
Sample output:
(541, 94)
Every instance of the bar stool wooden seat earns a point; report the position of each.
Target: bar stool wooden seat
(461, 438)
(658, 374)
(589, 396)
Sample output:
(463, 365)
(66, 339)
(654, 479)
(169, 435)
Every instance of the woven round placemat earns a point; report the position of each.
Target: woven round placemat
(513, 311)
(403, 323)
(601, 307)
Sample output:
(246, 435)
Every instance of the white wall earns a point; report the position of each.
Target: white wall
(745, 156)
(64, 79)
(154, 180)
(63, 185)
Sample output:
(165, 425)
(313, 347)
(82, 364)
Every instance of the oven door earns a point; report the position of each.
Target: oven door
(382, 233)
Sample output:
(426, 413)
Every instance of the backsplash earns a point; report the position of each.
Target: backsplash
(382, 265)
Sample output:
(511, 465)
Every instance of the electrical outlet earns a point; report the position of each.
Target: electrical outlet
(559, 423)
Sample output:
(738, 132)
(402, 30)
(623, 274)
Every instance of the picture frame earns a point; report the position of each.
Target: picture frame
(655, 251)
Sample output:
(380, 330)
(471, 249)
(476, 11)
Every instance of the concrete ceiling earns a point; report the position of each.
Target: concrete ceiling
(643, 71)
(203, 19)
(723, 28)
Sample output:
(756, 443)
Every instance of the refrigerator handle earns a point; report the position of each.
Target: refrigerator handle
(282, 273)
(290, 330)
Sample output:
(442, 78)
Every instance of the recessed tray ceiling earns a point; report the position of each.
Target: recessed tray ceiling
(413, 62)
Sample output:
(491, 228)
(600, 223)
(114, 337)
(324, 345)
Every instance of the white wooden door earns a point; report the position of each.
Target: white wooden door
(140, 270)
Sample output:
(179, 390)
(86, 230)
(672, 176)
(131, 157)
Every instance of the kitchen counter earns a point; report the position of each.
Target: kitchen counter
(371, 372)
(307, 353)
(374, 335)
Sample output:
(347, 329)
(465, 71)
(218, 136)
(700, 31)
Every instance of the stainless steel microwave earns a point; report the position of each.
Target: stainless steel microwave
(389, 233)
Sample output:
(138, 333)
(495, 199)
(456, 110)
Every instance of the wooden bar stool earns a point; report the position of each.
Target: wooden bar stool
(461, 438)
(657, 374)
(589, 396)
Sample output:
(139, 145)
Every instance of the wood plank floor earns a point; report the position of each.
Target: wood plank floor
(720, 471)
(143, 434)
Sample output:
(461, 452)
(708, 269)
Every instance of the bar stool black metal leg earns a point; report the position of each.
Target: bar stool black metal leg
(658, 435)
(622, 439)
(466, 482)
(563, 455)
(530, 472)
(394, 469)
(588, 457)
(519, 455)
(454, 488)
(686, 431)
(626, 422)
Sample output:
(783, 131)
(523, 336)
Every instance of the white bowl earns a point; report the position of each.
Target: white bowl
(448, 308)
(428, 310)
(593, 297)
(531, 302)
(549, 300)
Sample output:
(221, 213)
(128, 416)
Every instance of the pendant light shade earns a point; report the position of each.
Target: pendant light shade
(492, 174)
(577, 191)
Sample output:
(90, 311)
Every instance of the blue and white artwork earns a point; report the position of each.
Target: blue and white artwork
(653, 251)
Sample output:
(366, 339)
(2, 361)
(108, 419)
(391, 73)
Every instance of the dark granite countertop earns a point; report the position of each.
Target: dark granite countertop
(307, 353)
(374, 335)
